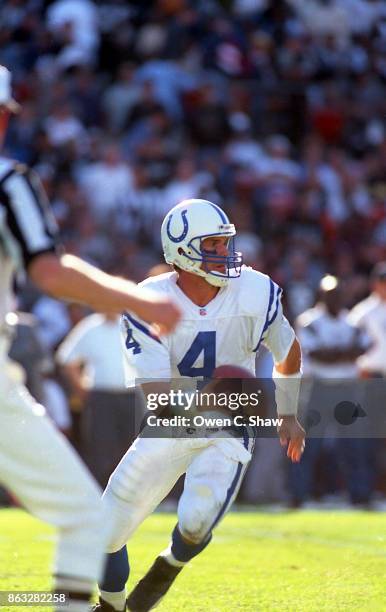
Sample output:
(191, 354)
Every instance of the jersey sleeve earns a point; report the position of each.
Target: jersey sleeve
(145, 356)
(29, 220)
(277, 335)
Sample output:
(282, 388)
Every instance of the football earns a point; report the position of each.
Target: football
(232, 371)
(233, 379)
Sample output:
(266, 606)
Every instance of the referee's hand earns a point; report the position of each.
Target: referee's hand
(160, 311)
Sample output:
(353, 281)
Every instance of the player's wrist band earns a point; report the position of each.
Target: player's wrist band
(287, 388)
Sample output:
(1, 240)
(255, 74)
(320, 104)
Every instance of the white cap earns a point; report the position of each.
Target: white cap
(5, 91)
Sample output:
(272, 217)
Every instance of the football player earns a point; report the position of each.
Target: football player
(36, 462)
(228, 311)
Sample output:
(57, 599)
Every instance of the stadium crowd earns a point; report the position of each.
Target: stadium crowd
(273, 109)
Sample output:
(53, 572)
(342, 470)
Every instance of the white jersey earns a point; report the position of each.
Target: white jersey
(246, 313)
(27, 227)
(94, 341)
(317, 329)
(370, 316)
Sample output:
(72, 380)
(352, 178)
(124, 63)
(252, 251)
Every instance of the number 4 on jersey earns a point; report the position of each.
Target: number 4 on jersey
(131, 343)
(203, 342)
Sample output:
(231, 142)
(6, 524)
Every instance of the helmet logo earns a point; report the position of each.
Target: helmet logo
(184, 231)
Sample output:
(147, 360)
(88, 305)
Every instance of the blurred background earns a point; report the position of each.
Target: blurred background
(276, 111)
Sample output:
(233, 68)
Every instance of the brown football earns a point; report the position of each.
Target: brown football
(230, 379)
(232, 371)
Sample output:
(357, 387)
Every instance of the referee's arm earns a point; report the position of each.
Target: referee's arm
(32, 234)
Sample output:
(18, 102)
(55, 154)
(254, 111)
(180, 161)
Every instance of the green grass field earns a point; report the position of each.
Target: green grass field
(297, 561)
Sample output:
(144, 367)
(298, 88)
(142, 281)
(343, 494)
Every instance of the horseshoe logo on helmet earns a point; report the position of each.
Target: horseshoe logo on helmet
(184, 231)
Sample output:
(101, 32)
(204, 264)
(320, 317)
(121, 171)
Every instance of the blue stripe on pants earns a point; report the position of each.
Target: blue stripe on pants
(233, 487)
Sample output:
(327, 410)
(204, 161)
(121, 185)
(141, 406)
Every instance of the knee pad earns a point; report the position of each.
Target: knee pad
(196, 514)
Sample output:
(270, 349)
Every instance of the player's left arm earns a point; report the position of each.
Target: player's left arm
(281, 340)
(287, 375)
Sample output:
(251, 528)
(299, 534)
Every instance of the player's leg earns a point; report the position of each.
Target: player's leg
(212, 481)
(145, 475)
(40, 468)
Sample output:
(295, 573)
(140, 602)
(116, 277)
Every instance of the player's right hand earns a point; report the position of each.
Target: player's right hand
(160, 311)
(292, 433)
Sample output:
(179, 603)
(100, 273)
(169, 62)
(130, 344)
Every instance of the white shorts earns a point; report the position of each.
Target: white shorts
(42, 470)
(214, 470)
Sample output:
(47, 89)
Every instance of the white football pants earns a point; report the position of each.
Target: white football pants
(38, 465)
(214, 470)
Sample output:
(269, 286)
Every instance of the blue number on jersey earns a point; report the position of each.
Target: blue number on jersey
(204, 341)
(132, 343)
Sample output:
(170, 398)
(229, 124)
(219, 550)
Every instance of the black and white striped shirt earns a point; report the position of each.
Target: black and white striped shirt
(27, 226)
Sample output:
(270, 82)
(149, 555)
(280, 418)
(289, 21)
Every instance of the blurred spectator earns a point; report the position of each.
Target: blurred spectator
(300, 284)
(54, 321)
(170, 81)
(322, 17)
(75, 24)
(258, 485)
(63, 127)
(56, 403)
(91, 360)
(106, 183)
(370, 316)
(277, 178)
(120, 98)
(330, 342)
(251, 247)
(27, 350)
(330, 347)
(188, 183)
(242, 148)
(207, 117)
(85, 94)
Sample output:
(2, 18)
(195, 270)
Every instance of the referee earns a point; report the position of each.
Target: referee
(36, 462)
